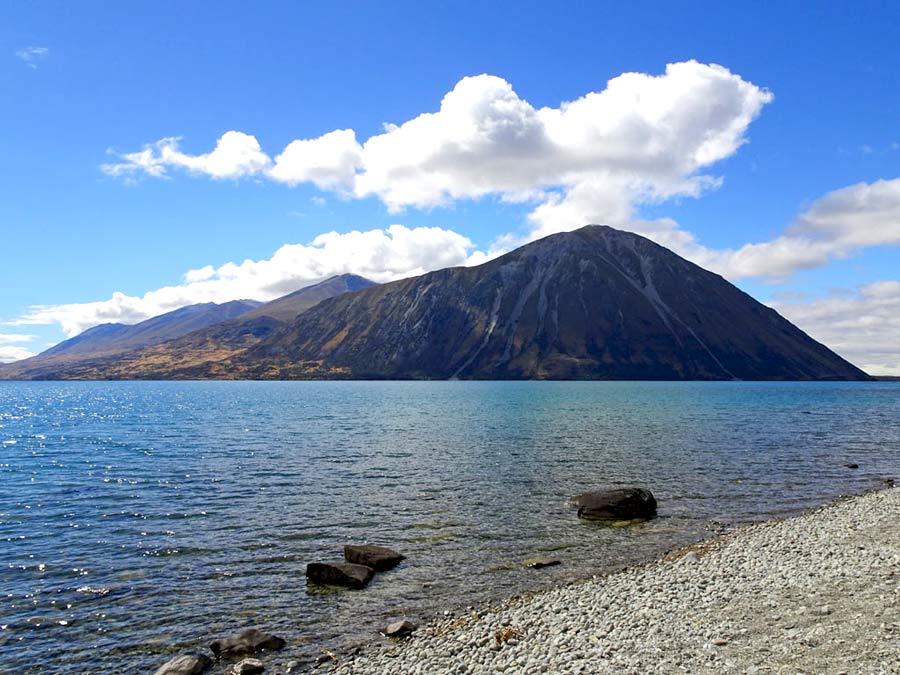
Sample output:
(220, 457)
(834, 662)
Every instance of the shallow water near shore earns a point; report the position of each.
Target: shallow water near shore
(138, 519)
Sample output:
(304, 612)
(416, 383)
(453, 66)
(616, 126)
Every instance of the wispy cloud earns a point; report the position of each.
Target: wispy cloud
(863, 326)
(7, 338)
(10, 351)
(32, 56)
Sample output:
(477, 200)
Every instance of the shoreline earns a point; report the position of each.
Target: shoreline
(810, 593)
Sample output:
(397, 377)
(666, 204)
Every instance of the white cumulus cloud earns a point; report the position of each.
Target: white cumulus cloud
(329, 162)
(236, 155)
(643, 138)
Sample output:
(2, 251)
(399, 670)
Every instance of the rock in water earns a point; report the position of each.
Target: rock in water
(540, 563)
(400, 629)
(340, 574)
(379, 558)
(246, 643)
(186, 664)
(249, 667)
(621, 504)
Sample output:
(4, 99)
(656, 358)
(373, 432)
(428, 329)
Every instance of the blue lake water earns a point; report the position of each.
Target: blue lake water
(138, 519)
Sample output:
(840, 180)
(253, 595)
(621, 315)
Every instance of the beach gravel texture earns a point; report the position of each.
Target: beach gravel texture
(813, 594)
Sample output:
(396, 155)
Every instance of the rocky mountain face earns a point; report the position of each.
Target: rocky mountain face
(596, 303)
(193, 341)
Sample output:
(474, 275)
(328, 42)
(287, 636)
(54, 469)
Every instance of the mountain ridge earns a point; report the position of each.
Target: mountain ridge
(230, 327)
(594, 303)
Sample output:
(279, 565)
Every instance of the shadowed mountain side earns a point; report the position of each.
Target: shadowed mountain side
(596, 303)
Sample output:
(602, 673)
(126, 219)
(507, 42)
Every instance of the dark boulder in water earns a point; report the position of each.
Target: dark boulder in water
(340, 574)
(185, 664)
(246, 643)
(621, 504)
(379, 558)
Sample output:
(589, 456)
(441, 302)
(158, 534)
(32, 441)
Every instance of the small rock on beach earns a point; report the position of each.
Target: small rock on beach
(400, 629)
(249, 667)
(246, 643)
(185, 664)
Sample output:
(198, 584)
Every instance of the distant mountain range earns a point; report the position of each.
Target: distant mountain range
(596, 303)
(205, 332)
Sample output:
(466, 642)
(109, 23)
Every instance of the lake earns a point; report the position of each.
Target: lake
(138, 519)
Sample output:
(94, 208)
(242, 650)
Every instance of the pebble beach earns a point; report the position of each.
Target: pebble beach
(816, 593)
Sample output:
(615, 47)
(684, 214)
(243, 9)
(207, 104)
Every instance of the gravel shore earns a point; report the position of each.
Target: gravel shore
(816, 593)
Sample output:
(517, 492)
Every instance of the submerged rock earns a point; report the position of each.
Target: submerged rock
(246, 643)
(540, 563)
(185, 664)
(616, 505)
(249, 667)
(350, 575)
(400, 629)
(379, 558)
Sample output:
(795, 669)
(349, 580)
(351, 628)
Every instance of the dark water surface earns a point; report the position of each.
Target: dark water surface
(138, 519)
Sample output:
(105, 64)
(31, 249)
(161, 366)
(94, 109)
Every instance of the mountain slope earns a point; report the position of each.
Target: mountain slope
(596, 303)
(111, 339)
(287, 307)
(204, 352)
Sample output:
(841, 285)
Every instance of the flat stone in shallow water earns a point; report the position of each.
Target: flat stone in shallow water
(339, 574)
(246, 643)
(185, 664)
(379, 558)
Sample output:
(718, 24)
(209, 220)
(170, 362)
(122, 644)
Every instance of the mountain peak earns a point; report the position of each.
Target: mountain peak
(593, 303)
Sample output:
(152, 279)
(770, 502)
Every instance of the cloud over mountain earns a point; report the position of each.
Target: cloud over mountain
(643, 138)
(380, 255)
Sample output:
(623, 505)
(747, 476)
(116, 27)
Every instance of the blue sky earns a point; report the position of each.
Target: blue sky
(811, 171)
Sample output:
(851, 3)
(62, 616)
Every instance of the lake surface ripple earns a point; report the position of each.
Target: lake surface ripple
(138, 519)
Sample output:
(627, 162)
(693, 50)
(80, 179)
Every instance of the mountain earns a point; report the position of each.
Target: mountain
(287, 307)
(110, 339)
(117, 337)
(596, 303)
(117, 351)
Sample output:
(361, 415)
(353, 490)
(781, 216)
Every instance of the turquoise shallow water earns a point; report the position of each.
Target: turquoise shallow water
(138, 519)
